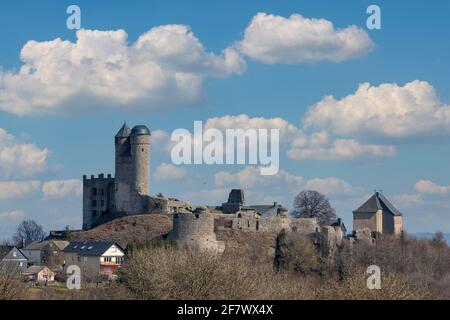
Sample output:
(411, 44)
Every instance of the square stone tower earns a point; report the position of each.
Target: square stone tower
(378, 215)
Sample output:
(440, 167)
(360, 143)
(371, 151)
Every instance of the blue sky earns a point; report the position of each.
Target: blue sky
(410, 164)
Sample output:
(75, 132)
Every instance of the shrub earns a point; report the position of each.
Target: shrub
(297, 253)
(11, 284)
(182, 273)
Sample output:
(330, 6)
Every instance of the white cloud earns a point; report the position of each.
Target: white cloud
(161, 141)
(276, 39)
(20, 159)
(164, 67)
(169, 172)
(332, 186)
(429, 187)
(57, 189)
(249, 178)
(300, 145)
(342, 149)
(17, 189)
(408, 200)
(243, 121)
(288, 132)
(11, 216)
(387, 110)
(317, 145)
(281, 188)
(212, 196)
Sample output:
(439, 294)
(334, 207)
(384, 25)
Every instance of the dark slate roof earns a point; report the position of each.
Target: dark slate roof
(40, 245)
(237, 196)
(124, 132)
(378, 202)
(6, 253)
(90, 248)
(36, 245)
(339, 223)
(140, 130)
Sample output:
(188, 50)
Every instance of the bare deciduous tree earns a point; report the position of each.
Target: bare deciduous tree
(313, 204)
(11, 284)
(28, 231)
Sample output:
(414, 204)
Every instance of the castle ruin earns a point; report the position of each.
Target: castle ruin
(128, 192)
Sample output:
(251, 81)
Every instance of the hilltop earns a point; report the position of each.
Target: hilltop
(140, 228)
(137, 228)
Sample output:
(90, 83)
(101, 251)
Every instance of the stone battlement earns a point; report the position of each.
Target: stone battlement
(100, 177)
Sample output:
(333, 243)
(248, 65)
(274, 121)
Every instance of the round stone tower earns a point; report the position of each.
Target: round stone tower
(140, 151)
(132, 169)
(196, 229)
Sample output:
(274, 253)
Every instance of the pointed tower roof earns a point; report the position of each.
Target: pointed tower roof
(378, 202)
(124, 132)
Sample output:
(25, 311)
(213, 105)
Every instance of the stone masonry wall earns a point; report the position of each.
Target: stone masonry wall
(196, 230)
(98, 199)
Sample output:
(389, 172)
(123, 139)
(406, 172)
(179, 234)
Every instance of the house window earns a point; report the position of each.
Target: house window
(94, 213)
(102, 192)
(102, 203)
(94, 191)
(14, 254)
(94, 203)
(107, 259)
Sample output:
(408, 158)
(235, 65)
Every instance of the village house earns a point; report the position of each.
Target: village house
(38, 274)
(12, 256)
(379, 216)
(94, 257)
(46, 253)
